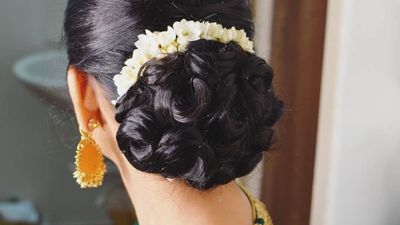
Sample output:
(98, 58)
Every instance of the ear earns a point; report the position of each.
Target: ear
(83, 97)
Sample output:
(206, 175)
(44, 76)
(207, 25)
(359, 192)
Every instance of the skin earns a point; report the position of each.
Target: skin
(157, 201)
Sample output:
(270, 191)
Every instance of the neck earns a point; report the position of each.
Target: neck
(159, 201)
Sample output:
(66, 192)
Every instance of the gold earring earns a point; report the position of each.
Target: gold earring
(89, 161)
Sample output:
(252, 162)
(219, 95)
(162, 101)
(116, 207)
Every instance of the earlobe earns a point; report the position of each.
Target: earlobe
(83, 97)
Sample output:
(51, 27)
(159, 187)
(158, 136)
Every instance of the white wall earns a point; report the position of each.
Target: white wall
(34, 153)
(357, 180)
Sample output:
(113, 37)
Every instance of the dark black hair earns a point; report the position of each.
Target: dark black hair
(204, 116)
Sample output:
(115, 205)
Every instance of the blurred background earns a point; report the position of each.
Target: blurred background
(38, 136)
(337, 67)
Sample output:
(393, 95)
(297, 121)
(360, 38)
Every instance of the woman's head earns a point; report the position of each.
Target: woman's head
(204, 116)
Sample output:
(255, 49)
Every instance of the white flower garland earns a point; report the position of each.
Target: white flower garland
(175, 39)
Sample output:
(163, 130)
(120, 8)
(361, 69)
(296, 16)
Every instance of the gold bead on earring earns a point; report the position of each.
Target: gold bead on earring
(89, 161)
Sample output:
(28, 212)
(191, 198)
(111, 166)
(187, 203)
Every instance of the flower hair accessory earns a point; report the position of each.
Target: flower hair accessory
(175, 39)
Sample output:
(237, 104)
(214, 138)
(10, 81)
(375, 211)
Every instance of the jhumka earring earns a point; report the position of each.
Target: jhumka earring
(89, 161)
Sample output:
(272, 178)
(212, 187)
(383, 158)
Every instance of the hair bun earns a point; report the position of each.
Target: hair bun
(204, 116)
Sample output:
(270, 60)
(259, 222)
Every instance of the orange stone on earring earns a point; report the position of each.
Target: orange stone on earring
(89, 162)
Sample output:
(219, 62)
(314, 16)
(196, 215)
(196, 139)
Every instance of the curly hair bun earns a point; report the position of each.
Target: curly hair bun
(204, 116)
